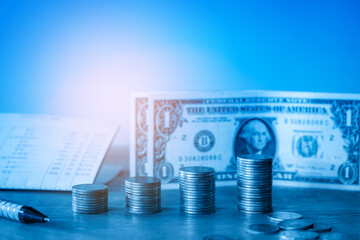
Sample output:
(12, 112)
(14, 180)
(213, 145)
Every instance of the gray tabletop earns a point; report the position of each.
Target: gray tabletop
(337, 208)
(340, 209)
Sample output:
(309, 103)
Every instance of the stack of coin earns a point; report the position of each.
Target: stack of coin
(143, 195)
(197, 190)
(254, 183)
(90, 198)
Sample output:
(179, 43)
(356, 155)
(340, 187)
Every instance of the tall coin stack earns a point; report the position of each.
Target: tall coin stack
(254, 183)
(90, 198)
(197, 190)
(143, 195)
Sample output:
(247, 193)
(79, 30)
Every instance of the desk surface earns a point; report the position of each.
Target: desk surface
(340, 209)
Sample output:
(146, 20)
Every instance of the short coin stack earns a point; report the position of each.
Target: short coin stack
(197, 190)
(90, 198)
(143, 195)
(254, 183)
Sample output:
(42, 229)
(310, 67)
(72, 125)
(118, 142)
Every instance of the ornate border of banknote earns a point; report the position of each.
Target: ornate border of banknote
(314, 137)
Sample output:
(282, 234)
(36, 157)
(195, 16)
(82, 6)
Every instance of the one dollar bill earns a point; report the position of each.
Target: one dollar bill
(314, 137)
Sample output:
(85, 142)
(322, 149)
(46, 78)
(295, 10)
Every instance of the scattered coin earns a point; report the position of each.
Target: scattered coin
(299, 234)
(254, 183)
(295, 224)
(143, 195)
(89, 198)
(197, 190)
(217, 237)
(262, 229)
(281, 216)
(320, 227)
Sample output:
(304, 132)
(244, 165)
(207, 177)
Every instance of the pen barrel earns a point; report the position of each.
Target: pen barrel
(10, 210)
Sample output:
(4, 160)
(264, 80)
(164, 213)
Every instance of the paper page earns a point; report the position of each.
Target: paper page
(51, 153)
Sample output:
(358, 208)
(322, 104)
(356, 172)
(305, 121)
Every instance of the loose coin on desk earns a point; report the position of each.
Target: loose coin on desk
(320, 227)
(295, 224)
(299, 234)
(281, 216)
(262, 229)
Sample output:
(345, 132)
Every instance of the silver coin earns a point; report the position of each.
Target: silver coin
(254, 207)
(254, 184)
(142, 190)
(296, 224)
(263, 229)
(89, 201)
(141, 212)
(197, 190)
(198, 212)
(89, 205)
(255, 211)
(89, 188)
(258, 170)
(255, 197)
(89, 212)
(197, 170)
(255, 157)
(145, 181)
(89, 198)
(320, 227)
(196, 176)
(90, 209)
(297, 235)
(281, 216)
(258, 204)
(143, 196)
(143, 208)
(141, 204)
(198, 208)
(252, 212)
(194, 198)
(197, 205)
(196, 193)
(89, 194)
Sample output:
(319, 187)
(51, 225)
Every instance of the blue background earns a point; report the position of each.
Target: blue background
(83, 58)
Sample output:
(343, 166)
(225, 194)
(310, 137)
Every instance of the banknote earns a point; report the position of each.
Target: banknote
(314, 137)
(138, 134)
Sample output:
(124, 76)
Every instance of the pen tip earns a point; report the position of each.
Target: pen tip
(46, 219)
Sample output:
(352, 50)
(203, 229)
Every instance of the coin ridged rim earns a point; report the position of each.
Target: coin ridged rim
(197, 212)
(320, 227)
(281, 216)
(197, 170)
(296, 224)
(287, 235)
(143, 180)
(89, 187)
(262, 229)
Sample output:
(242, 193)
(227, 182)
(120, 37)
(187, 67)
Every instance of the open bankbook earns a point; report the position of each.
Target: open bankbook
(43, 152)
